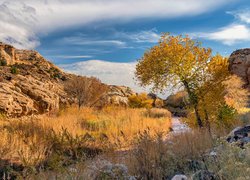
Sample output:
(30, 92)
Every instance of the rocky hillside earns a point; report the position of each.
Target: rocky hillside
(239, 64)
(29, 84)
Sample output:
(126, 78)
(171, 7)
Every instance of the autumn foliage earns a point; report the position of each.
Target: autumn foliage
(140, 101)
(179, 61)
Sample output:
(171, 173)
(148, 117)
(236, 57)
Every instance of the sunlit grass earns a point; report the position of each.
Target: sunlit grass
(29, 141)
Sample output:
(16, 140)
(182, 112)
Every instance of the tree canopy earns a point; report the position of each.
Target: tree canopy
(182, 61)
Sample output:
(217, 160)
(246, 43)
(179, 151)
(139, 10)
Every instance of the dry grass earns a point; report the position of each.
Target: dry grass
(31, 141)
(153, 158)
(113, 123)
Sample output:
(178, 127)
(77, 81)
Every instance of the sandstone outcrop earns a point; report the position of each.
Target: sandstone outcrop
(177, 103)
(29, 84)
(239, 64)
(116, 95)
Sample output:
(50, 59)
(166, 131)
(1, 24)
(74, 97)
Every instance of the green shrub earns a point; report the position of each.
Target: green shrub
(3, 62)
(14, 70)
(226, 115)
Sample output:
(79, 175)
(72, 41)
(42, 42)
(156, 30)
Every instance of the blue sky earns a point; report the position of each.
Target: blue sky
(104, 38)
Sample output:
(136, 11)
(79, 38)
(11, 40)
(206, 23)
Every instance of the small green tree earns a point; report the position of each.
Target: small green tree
(14, 70)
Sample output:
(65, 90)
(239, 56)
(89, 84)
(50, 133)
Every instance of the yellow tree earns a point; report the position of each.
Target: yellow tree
(211, 92)
(176, 61)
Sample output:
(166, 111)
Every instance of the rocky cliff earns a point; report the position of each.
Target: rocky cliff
(29, 84)
(239, 64)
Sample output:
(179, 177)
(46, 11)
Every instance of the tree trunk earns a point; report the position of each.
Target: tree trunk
(79, 104)
(194, 102)
(207, 121)
(198, 117)
(206, 116)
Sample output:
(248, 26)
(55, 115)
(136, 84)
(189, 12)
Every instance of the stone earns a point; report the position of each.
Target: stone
(117, 96)
(239, 64)
(179, 177)
(177, 103)
(240, 134)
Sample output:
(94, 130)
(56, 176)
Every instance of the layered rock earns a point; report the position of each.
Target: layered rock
(14, 102)
(116, 95)
(30, 84)
(239, 64)
(7, 53)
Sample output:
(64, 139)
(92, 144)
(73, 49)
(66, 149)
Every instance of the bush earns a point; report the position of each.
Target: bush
(3, 62)
(244, 116)
(226, 116)
(154, 158)
(14, 70)
(158, 113)
(140, 101)
(231, 162)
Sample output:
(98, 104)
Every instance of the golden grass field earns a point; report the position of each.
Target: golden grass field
(29, 141)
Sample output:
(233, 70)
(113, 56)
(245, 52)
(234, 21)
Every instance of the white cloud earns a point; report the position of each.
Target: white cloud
(228, 35)
(21, 22)
(72, 57)
(150, 36)
(81, 40)
(112, 73)
(243, 15)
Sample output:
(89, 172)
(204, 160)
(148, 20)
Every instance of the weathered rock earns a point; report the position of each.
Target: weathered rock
(239, 64)
(7, 53)
(177, 103)
(116, 95)
(240, 135)
(14, 102)
(179, 177)
(30, 84)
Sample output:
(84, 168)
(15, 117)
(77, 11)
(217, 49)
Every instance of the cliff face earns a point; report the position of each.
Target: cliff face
(239, 64)
(29, 84)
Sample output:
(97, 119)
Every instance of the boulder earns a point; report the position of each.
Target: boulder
(179, 177)
(239, 64)
(240, 135)
(116, 95)
(177, 103)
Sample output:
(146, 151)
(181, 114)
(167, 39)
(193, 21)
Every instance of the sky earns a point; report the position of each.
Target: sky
(105, 38)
